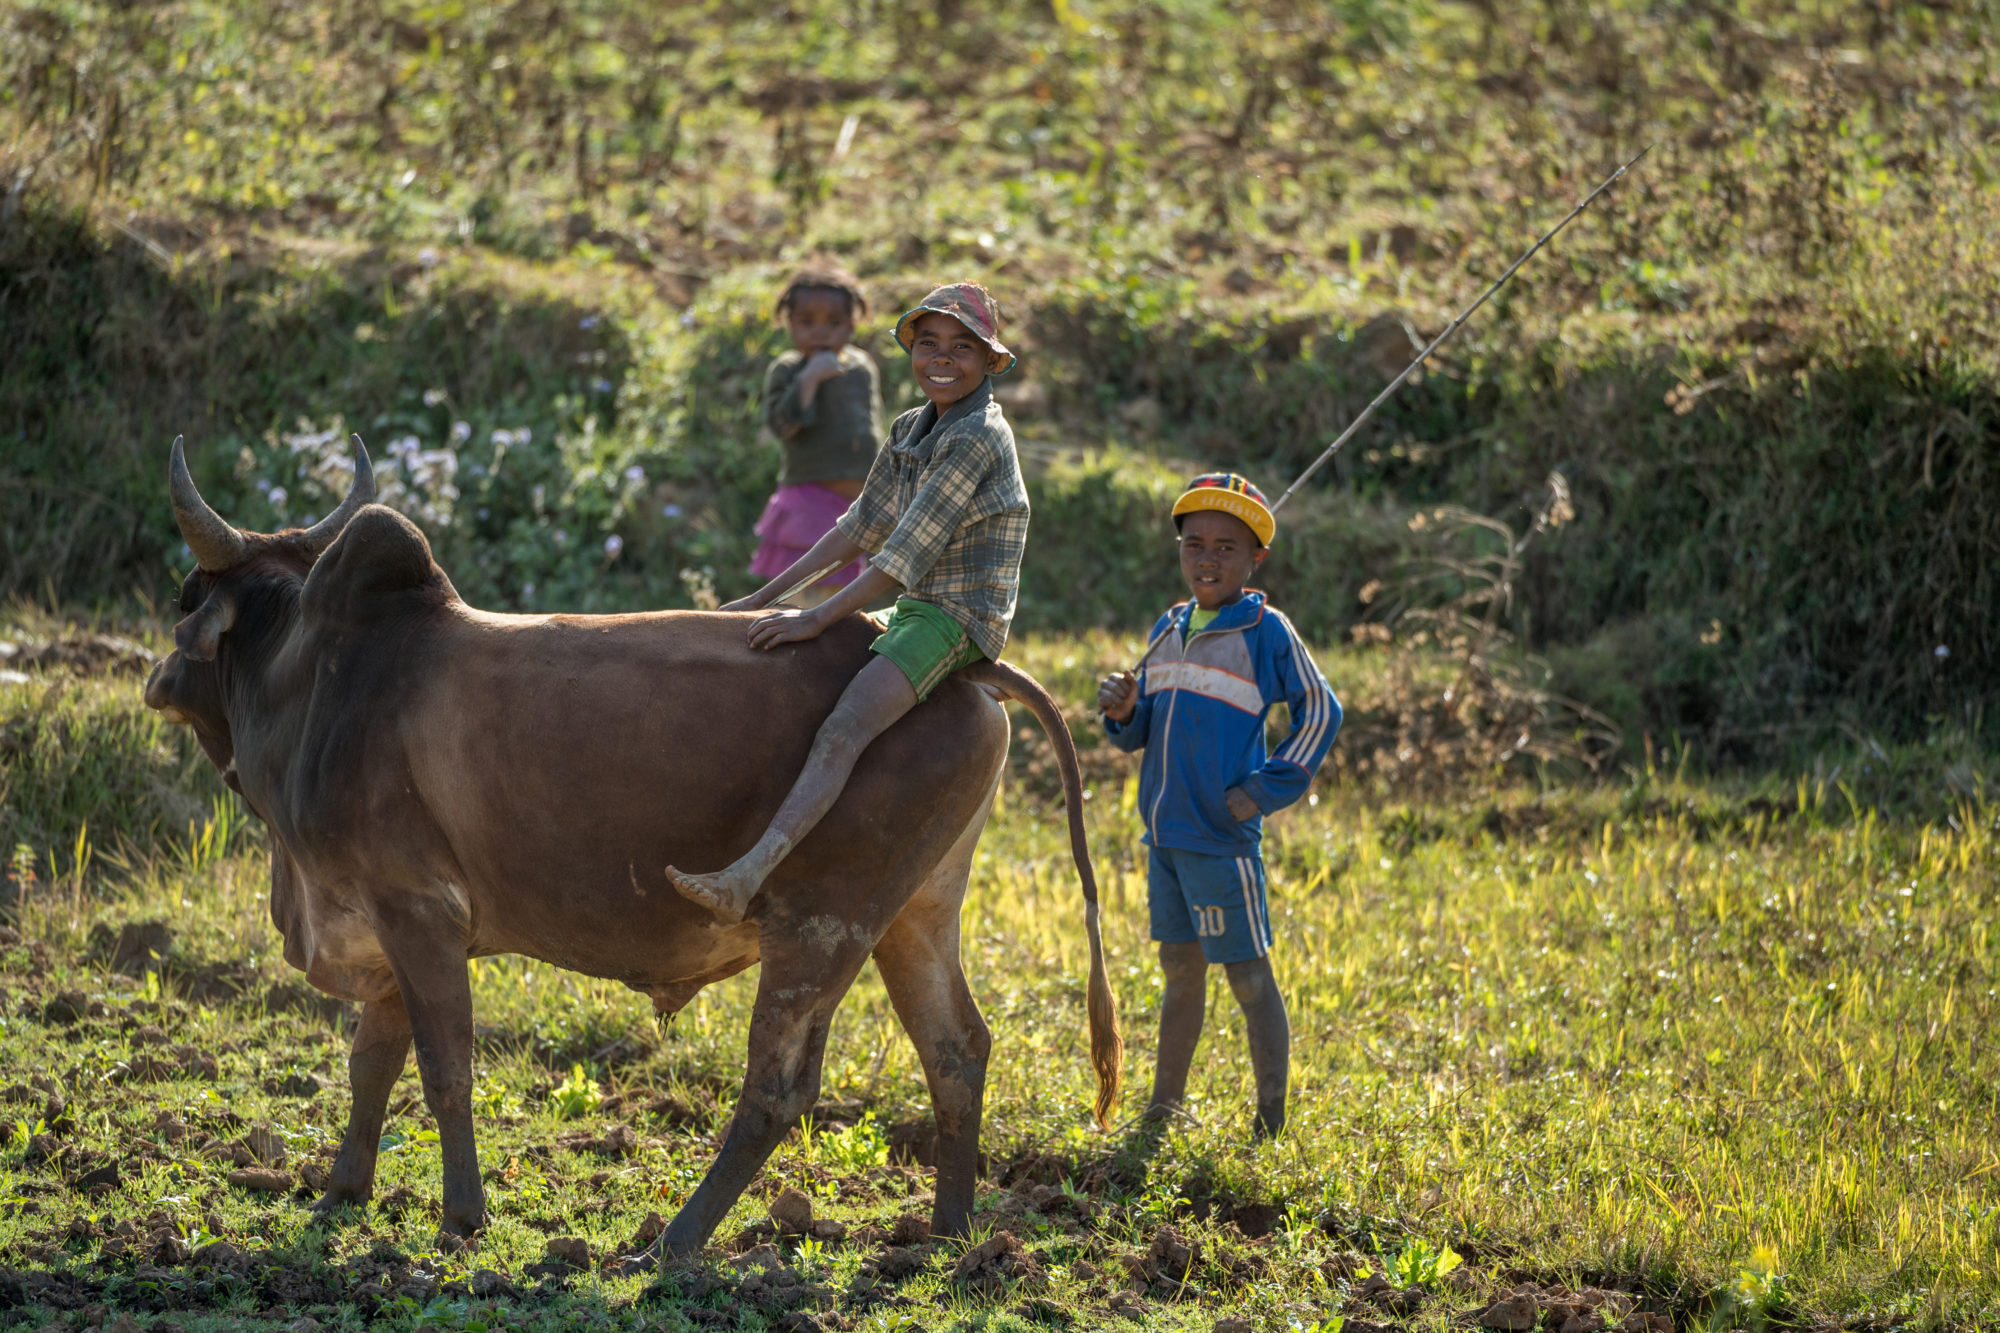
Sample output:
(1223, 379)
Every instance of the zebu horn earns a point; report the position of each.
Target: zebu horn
(359, 492)
(215, 544)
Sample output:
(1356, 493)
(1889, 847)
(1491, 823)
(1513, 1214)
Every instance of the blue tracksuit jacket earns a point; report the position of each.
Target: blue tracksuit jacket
(1200, 720)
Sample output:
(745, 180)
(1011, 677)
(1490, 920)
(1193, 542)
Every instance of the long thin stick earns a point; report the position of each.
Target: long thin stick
(1452, 328)
(802, 585)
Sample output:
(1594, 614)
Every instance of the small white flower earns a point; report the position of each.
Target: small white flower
(523, 435)
(636, 475)
(279, 495)
(600, 385)
(503, 438)
(527, 591)
(461, 431)
(587, 323)
(613, 545)
(1940, 652)
(432, 397)
(670, 511)
(687, 319)
(562, 536)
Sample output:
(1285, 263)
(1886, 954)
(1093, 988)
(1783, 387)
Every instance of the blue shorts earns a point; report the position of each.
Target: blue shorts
(1218, 900)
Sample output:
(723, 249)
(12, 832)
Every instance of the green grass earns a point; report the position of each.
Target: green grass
(1729, 1047)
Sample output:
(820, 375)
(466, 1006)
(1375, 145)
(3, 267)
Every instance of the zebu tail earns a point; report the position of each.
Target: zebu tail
(1107, 1044)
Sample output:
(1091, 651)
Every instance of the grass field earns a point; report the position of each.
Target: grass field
(1726, 1053)
(1654, 969)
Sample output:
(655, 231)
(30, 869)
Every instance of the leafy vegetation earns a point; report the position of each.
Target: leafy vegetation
(1765, 366)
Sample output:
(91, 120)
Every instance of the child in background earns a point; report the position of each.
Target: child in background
(823, 400)
(1216, 665)
(943, 521)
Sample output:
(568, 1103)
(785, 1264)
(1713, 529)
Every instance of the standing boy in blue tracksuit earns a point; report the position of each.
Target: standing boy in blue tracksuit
(1215, 667)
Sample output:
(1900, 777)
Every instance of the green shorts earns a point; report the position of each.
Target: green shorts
(926, 644)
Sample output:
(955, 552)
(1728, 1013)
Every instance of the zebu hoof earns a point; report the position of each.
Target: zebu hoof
(633, 1265)
(328, 1206)
(464, 1225)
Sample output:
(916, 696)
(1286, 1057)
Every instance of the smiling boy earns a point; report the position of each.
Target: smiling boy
(943, 519)
(1215, 667)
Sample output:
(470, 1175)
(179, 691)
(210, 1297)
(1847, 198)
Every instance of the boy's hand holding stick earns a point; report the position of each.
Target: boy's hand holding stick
(1118, 696)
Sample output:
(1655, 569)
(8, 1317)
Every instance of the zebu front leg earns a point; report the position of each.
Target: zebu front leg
(919, 960)
(425, 942)
(374, 1062)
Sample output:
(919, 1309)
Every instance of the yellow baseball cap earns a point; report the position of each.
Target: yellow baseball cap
(1231, 494)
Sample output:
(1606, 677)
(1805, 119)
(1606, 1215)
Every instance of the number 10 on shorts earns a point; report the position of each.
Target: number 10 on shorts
(1210, 923)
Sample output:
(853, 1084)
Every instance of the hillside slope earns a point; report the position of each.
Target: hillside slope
(528, 251)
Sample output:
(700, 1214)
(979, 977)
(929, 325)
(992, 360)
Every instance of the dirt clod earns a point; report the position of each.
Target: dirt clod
(298, 1083)
(761, 1256)
(67, 1007)
(798, 1321)
(1173, 1254)
(135, 948)
(1256, 1219)
(1515, 1313)
(266, 1145)
(262, 1178)
(1231, 1324)
(571, 1250)
(996, 1263)
(910, 1229)
(215, 1254)
(898, 1263)
(792, 1212)
(649, 1231)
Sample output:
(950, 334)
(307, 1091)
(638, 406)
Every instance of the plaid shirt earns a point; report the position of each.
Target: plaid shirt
(945, 514)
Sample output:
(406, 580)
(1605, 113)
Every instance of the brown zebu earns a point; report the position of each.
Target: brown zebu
(442, 783)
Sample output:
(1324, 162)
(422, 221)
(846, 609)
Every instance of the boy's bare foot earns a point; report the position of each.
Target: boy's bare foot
(727, 893)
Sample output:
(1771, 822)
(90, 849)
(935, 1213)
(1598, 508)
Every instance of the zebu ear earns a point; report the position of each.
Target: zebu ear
(379, 565)
(200, 635)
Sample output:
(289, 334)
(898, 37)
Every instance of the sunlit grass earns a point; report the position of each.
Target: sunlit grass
(1748, 1055)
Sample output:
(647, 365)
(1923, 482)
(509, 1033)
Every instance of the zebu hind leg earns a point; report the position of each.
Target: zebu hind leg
(800, 985)
(374, 1062)
(920, 964)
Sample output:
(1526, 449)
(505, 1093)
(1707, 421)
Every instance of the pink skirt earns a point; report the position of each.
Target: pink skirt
(794, 519)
